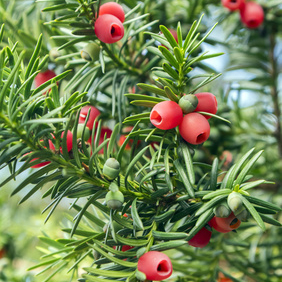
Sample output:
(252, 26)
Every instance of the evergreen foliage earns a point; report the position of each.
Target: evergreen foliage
(166, 192)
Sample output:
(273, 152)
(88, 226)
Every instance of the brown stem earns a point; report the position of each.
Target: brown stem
(274, 93)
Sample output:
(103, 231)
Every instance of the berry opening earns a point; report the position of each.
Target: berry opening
(163, 267)
(252, 23)
(155, 117)
(235, 223)
(116, 31)
(201, 138)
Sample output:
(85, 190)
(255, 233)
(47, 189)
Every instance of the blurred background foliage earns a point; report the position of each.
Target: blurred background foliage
(248, 93)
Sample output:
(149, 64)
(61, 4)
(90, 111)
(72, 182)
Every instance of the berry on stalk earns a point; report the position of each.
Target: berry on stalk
(252, 15)
(112, 8)
(233, 5)
(194, 128)
(206, 103)
(94, 113)
(166, 115)
(225, 224)
(155, 265)
(202, 238)
(109, 29)
(42, 77)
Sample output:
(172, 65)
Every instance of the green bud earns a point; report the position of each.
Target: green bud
(222, 210)
(54, 54)
(243, 215)
(114, 200)
(90, 52)
(96, 255)
(235, 202)
(111, 168)
(188, 103)
(80, 127)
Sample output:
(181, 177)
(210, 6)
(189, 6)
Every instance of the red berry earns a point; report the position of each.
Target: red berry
(112, 8)
(94, 113)
(109, 29)
(201, 239)
(42, 77)
(104, 131)
(206, 103)
(39, 165)
(166, 115)
(225, 224)
(233, 5)
(252, 15)
(2, 253)
(126, 248)
(174, 34)
(155, 265)
(69, 141)
(194, 128)
(51, 146)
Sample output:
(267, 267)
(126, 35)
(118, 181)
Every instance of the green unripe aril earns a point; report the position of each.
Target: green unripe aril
(222, 210)
(188, 103)
(243, 215)
(235, 202)
(90, 52)
(80, 131)
(114, 200)
(111, 168)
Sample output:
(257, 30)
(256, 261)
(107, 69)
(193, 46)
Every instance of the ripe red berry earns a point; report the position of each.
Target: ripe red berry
(39, 165)
(174, 34)
(2, 253)
(206, 103)
(126, 248)
(109, 29)
(166, 115)
(69, 140)
(104, 131)
(201, 239)
(94, 113)
(42, 77)
(233, 5)
(112, 8)
(194, 128)
(155, 265)
(51, 147)
(225, 224)
(252, 15)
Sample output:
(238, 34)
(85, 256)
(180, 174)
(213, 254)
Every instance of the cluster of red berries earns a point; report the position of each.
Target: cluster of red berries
(193, 126)
(252, 14)
(108, 26)
(228, 217)
(220, 224)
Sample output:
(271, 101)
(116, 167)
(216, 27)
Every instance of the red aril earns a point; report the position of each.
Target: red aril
(109, 29)
(112, 8)
(194, 128)
(166, 115)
